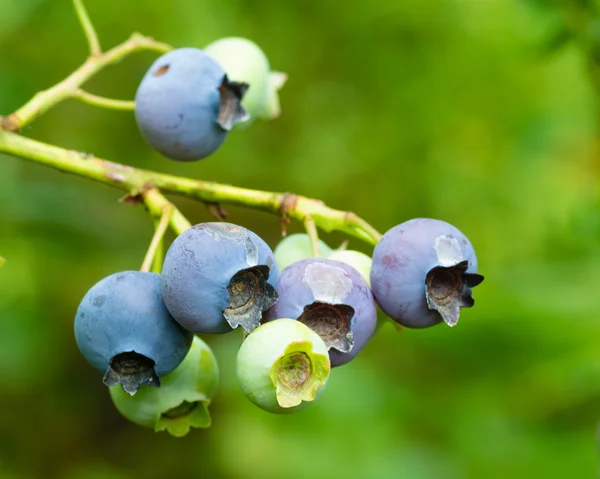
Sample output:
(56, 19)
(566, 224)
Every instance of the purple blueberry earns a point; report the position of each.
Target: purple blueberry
(186, 105)
(218, 276)
(124, 330)
(333, 300)
(422, 273)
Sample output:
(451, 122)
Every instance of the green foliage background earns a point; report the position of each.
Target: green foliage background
(464, 110)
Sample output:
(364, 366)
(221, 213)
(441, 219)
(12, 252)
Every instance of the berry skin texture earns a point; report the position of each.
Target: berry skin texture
(296, 247)
(423, 272)
(124, 330)
(359, 261)
(218, 276)
(283, 366)
(332, 299)
(182, 400)
(244, 61)
(185, 105)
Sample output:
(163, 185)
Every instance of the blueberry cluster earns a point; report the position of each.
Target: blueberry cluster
(318, 313)
(301, 314)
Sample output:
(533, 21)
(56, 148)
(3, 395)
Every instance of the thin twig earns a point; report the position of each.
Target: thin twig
(366, 227)
(102, 102)
(88, 28)
(44, 100)
(160, 231)
(157, 203)
(313, 235)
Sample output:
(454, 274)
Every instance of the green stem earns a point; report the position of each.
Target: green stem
(157, 203)
(313, 235)
(44, 100)
(136, 180)
(2, 261)
(102, 102)
(160, 252)
(88, 28)
(159, 233)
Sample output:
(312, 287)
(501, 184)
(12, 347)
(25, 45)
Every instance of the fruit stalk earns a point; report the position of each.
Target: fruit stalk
(102, 102)
(161, 228)
(313, 235)
(88, 28)
(135, 180)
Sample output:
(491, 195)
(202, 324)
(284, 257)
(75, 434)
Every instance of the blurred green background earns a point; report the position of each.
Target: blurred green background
(483, 113)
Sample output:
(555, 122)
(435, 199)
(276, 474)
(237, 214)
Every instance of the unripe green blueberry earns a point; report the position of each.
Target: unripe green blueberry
(243, 60)
(283, 366)
(359, 261)
(296, 247)
(183, 398)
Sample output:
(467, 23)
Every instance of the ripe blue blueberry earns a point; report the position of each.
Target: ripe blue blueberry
(218, 276)
(124, 330)
(422, 273)
(186, 105)
(332, 299)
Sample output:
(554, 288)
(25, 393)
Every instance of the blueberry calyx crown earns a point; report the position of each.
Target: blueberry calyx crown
(449, 289)
(182, 410)
(231, 110)
(249, 296)
(332, 322)
(178, 420)
(131, 370)
(298, 374)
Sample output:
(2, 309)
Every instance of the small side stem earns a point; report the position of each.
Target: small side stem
(156, 204)
(88, 28)
(313, 235)
(157, 238)
(365, 226)
(2, 261)
(44, 100)
(160, 252)
(102, 102)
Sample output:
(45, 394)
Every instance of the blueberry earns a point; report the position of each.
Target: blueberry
(186, 104)
(282, 366)
(333, 300)
(423, 271)
(295, 247)
(182, 400)
(124, 330)
(244, 61)
(359, 261)
(218, 276)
